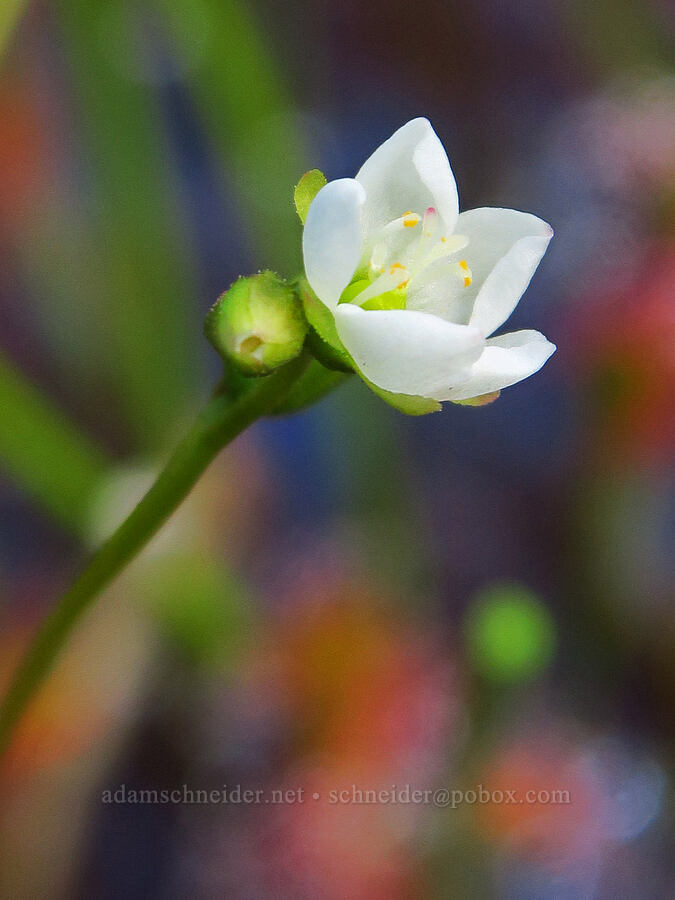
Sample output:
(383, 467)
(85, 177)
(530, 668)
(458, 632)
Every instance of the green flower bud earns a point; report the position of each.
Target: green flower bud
(258, 324)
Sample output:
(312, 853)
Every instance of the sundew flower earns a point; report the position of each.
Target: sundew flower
(410, 290)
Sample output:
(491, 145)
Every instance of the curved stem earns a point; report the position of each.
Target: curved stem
(219, 423)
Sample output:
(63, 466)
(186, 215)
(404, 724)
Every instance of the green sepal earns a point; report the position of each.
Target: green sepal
(315, 383)
(322, 320)
(409, 404)
(327, 355)
(481, 400)
(306, 190)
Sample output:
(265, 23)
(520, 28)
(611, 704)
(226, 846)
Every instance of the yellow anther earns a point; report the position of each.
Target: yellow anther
(467, 281)
(400, 286)
(463, 264)
(396, 265)
(444, 240)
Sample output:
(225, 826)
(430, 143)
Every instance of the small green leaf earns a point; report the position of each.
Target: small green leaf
(306, 190)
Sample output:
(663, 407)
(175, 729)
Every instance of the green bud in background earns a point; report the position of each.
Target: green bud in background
(258, 324)
(509, 632)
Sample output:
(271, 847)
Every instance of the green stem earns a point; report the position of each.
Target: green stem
(219, 423)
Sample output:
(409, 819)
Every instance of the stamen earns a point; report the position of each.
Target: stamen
(455, 243)
(378, 258)
(393, 271)
(407, 220)
(444, 268)
(427, 250)
(426, 258)
(397, 277)
(386, 238)
(465, 268)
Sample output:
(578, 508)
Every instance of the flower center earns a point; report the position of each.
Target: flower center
(409, 249)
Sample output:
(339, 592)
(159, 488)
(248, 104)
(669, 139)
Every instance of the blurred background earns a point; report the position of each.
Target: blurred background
(350, 597)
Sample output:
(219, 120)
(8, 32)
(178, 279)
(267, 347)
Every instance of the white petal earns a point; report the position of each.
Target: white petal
(331, 240)
(505, 248)
(408, 352)
(409, 171)
(505, 360)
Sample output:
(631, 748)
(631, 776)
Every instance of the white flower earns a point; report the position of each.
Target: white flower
(415, 288)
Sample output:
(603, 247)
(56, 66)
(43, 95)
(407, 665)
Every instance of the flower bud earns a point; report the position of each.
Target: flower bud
(258, 324)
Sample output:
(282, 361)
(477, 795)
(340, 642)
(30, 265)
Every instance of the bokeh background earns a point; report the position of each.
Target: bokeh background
(350, 597)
